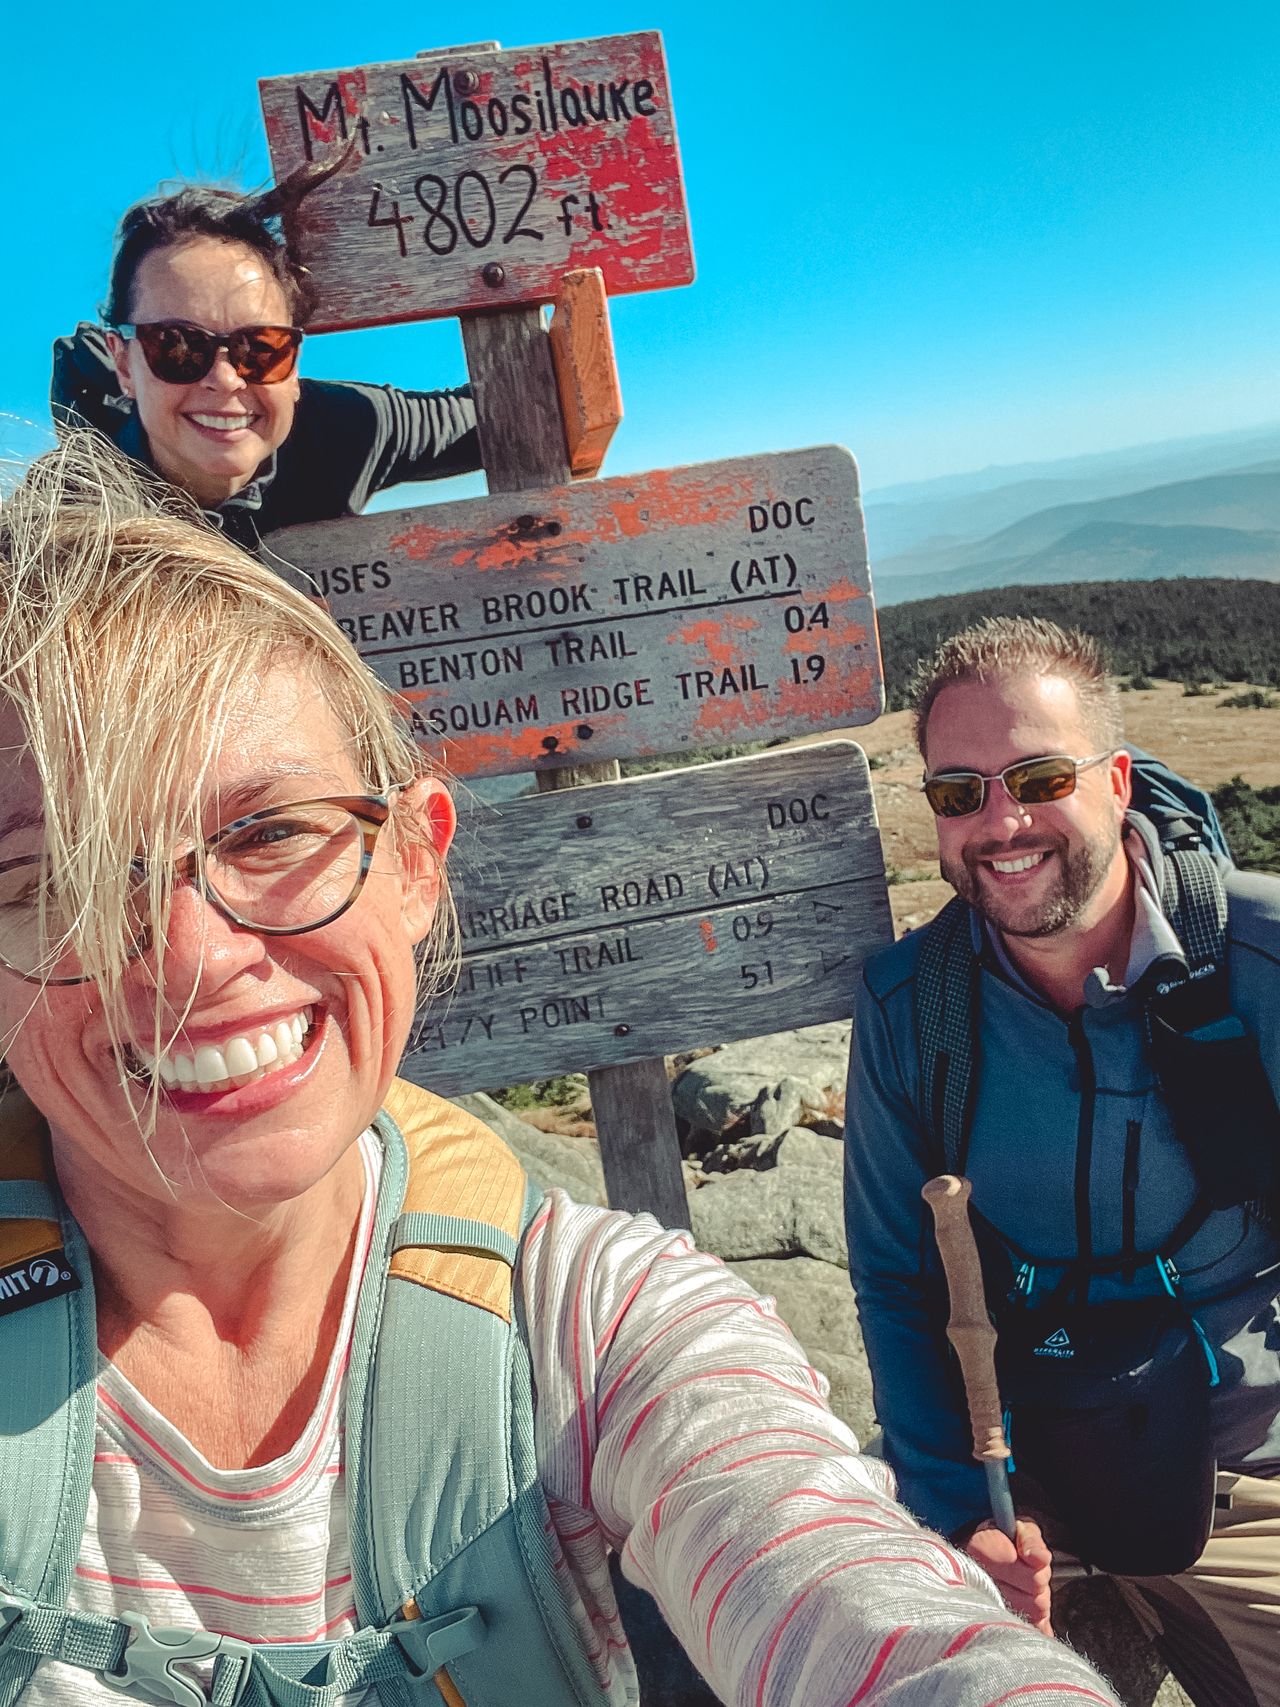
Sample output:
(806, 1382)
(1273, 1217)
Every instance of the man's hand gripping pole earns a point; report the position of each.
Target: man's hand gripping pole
(971, 1333)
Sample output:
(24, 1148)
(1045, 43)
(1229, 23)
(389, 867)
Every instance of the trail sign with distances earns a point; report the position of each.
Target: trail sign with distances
(646, 614)
(605, 925)
(478, 179)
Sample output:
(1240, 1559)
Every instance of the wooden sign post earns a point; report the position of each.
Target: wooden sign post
(486, 183)
(523, 441)
(478, 180)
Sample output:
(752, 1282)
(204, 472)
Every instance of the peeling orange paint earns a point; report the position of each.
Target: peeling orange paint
(715, 635)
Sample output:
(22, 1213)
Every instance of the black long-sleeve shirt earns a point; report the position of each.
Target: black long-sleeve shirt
(348, 441)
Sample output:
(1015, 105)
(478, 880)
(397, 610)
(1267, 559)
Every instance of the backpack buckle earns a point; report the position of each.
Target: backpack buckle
(150, 1656)
(12, 1608)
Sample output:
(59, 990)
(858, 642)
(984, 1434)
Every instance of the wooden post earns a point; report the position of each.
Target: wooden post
(522, 440)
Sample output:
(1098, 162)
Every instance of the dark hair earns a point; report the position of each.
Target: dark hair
(264, 222)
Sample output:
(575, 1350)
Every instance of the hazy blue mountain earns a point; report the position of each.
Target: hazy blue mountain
(965, 507)
(1104, 551)
(1222, 523)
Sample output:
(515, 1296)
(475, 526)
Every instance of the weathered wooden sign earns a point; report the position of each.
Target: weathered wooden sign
(604, 925)
(478, 179)
(652, 613)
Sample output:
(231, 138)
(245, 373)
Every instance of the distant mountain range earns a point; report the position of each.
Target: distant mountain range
(1191, 507)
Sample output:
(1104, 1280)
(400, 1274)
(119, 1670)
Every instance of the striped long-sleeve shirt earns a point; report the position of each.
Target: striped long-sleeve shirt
(676, 1421)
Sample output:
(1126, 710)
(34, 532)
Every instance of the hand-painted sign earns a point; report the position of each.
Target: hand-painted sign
(652, 613)
(603, 925)
(478, 179)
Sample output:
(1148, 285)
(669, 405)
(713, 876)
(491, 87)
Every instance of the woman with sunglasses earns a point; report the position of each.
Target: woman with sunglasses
(194, 373)
(309, 1399)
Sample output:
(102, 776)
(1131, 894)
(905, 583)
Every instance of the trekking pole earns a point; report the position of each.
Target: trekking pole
(971, 1333)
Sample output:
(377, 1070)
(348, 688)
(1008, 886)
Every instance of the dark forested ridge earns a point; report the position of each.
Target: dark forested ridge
(1191, 630)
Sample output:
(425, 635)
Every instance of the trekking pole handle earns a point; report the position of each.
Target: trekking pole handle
(969, 1328)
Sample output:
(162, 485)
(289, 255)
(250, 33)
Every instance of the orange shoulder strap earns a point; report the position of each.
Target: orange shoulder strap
(457, 1168)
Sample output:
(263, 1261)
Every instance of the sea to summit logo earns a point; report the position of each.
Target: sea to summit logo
(1058, 1344)
(38, 1278)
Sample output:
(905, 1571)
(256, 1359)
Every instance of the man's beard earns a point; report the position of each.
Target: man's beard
(1080, 868)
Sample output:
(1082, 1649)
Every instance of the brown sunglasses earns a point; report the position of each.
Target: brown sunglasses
(180, 353)
(1031, 782)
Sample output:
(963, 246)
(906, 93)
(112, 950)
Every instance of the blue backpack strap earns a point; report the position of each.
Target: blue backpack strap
(1184, 816)
(945, 995)
(448, 1518)
(49, 1355)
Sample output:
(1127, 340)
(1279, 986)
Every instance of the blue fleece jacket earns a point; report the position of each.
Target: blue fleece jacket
(1067, 1113)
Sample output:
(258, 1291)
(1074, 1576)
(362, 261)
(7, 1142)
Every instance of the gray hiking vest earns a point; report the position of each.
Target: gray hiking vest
(457, 1594)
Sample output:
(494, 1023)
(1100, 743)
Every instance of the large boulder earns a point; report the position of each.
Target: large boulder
(785, 1212)
(768, 1082)
(815, 1300)
(792, 1209)
(549, 1158)
(1093, 1617)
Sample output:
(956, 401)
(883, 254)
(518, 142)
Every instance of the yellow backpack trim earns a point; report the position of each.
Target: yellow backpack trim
(457, 1166)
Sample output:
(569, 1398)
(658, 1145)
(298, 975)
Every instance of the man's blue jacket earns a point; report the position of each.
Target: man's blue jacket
(1072, 1152)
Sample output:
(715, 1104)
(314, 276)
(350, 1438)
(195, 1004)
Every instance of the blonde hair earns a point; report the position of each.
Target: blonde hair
(1021, 646)
(127, 625)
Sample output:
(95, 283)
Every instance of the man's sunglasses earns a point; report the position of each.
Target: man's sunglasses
(1031, 782)
(180, 353)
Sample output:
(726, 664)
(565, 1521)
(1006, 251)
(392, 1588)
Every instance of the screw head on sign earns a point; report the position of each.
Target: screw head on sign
(466, 82)
(622, 1031)
(584, 731)
(494, 274)
(584, 822)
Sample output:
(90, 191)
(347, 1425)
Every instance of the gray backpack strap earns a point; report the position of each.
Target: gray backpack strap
(945, 992)
(49, 1359)
(1194, 899)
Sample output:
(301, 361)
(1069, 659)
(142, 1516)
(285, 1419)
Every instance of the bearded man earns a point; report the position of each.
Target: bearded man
(1112, 1099)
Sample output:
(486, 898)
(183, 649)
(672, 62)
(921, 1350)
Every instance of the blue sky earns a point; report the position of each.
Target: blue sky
(944, 235)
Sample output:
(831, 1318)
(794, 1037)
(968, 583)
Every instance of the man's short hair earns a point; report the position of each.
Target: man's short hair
(1022, 646)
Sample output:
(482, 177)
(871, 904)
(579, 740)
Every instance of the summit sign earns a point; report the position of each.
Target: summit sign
(477, 179)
